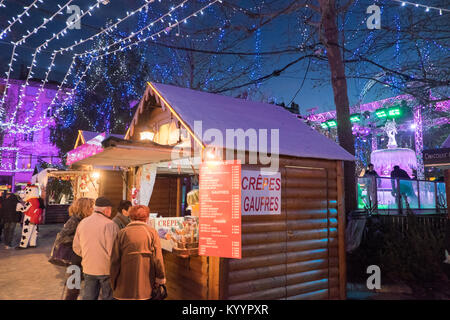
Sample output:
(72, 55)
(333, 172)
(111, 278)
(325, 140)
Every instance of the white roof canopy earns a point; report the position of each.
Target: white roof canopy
(129, 155)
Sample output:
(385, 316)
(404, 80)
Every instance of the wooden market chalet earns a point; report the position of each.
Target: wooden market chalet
(297, 254)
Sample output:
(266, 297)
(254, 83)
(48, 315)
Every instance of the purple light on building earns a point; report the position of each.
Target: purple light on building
(21, 152)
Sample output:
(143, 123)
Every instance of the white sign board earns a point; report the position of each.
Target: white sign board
(260, 193)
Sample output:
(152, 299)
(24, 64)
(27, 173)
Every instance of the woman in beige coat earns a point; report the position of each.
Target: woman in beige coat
(132, 275)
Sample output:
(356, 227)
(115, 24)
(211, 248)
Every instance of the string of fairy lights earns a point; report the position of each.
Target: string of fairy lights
(18, 18)
(423, 6)
(38, 49)
(44, 45)
(24, 128)
(124, 44)
(130, 45)
(40, 123)
(77, 43)
(21, 42)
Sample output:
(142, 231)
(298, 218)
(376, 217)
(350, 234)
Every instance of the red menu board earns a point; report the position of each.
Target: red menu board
(220, 209)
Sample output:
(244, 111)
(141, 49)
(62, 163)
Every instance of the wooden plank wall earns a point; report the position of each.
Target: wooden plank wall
(164, 197)
(56, 214)
(187, 278)
(111, 187)
(293, 255)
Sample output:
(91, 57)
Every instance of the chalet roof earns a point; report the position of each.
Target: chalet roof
(89, 135)
(446, 143)
(223, 112)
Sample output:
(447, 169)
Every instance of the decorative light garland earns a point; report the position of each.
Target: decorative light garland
(8, 28)
(110, 28)
(33, 64)
(38, 125)
(166, 30)
(77, 43)
(157, 34)
(417, 5)
(21, 42)
(24, 129)
(140, 31)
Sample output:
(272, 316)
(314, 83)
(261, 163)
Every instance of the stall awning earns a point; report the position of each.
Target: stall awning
(125, 153)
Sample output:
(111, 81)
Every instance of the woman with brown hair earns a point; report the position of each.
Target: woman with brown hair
(78, 210)
(137, 267)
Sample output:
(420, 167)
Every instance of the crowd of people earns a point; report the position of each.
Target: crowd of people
(120, 258)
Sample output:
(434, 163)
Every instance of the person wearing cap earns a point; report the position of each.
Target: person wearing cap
(93, 242)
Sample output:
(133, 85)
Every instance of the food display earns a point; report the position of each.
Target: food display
(178, 235)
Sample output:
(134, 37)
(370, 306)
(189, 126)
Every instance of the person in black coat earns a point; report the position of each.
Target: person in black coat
(399, 173)
(10, 218)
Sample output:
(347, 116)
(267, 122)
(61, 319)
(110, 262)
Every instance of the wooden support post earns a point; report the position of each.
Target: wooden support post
(213, 278)
(447, 189)
(341, 231)
(223, 280)
(178, 197)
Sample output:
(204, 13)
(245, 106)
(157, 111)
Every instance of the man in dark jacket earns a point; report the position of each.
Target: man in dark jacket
(399, 173)
(371, 178)
(371, 172)
(10, 218)
(406, 189)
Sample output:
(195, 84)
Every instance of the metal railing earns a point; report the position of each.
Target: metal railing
(386, 195)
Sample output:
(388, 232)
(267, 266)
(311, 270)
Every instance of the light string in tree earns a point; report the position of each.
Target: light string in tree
(77, 43)
(33, 64)
(21, 42)
(417, 5)
(18, 18)
(25, 128)
(38, 125)
(110, 28)
(2, 5)
(8, 75)
(152, 36)
(133, 34)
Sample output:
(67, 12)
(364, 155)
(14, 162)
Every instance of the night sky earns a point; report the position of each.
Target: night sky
(316, 91)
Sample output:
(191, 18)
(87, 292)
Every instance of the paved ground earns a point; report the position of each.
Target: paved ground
(27, 274)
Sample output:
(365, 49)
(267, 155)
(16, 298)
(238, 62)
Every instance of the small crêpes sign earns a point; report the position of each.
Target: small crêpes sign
(260, 193)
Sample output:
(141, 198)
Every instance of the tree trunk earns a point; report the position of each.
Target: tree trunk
(330, 38)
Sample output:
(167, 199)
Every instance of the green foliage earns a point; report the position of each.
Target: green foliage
(411, 252)
(57, 188)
